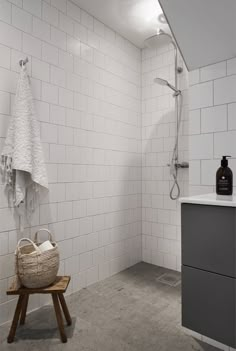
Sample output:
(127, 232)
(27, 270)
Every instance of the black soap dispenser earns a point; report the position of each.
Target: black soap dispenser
(224, 178)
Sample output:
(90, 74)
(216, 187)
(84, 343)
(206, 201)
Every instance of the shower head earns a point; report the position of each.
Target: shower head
(164, 82)
(158, 40)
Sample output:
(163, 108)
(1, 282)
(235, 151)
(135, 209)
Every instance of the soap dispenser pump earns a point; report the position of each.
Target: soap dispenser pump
(224, 178)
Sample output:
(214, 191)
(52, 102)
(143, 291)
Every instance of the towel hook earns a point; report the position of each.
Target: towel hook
(23, 62)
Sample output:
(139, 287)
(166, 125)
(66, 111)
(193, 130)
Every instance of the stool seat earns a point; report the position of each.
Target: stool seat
(57, 289)
(59, 286)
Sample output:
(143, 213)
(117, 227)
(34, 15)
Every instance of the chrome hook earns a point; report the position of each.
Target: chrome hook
(23, 62)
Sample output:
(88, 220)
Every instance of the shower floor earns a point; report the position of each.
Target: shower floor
(131, 311)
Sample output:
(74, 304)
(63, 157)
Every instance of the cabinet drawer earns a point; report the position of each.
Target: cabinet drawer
(208, 304)
(208, 238)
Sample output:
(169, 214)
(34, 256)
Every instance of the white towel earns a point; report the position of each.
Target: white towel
(22, 156)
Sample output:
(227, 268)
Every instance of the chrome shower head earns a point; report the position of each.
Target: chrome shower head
(164, 82)
(158, 40)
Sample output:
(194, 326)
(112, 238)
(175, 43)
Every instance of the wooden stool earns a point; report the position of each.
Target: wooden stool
(56, 290)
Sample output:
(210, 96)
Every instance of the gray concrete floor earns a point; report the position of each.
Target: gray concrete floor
(131, 311)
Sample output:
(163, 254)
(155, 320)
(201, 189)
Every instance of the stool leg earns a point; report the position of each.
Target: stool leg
(65, 309)
(18, 309)
(24, 309)
(59, 317)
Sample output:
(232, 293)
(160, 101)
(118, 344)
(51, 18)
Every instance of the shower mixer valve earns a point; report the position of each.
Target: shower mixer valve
(179, 165)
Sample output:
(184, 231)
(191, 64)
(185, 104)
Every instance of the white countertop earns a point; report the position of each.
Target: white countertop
(210, 199)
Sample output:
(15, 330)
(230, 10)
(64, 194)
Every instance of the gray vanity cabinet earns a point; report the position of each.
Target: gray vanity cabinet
(209, 271)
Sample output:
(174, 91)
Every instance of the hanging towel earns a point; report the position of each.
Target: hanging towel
(23, 165)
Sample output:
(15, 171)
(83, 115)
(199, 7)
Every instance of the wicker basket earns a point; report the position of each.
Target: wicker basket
(34, 268)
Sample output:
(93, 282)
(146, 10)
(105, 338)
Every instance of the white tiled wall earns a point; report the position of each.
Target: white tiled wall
(86, 80)
(212, 123)
(160, 215)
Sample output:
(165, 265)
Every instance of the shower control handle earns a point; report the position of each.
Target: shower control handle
(180, 165)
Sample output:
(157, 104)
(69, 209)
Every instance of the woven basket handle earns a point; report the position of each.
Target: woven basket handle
(42, 230)
(30, 241)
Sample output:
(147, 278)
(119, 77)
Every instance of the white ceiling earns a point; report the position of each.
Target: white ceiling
(133, 19)
(204, 30)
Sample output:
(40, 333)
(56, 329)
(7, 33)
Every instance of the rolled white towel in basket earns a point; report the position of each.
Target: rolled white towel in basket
(46, 245)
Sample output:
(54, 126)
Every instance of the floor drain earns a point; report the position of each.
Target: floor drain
(169, 279)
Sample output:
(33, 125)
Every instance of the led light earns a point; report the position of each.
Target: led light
(147, 10)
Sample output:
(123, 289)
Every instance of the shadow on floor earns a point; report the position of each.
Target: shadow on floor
(42, 324)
